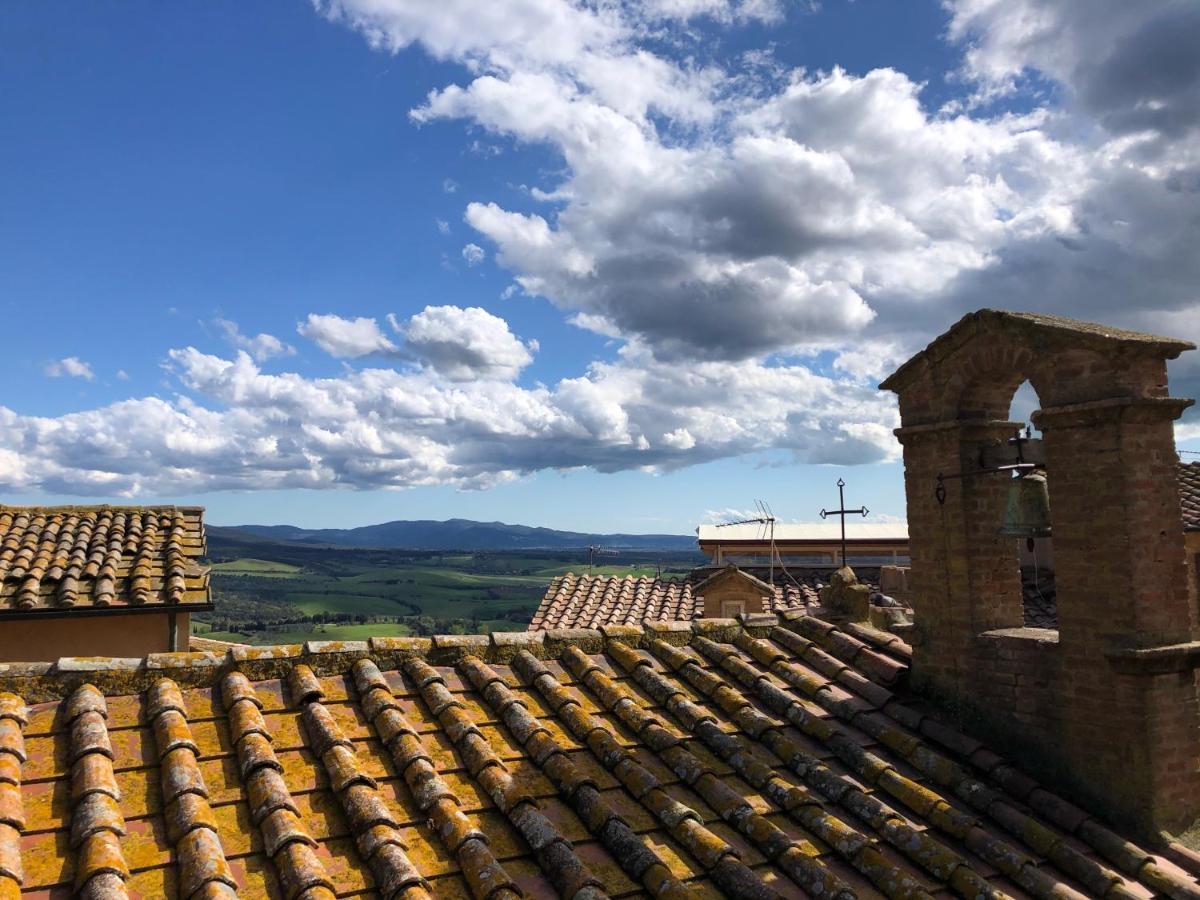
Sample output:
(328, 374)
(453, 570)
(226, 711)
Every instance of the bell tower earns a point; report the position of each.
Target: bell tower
(1107, 702)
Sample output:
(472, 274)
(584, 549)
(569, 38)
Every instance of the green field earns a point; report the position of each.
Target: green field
(263, 567)
(267, 593)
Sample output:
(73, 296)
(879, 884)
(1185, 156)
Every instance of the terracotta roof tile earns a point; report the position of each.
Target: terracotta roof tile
(780, 759)
(371, 822)
(58, 558)
(1189, 494)
(96, 824)
(592, 601)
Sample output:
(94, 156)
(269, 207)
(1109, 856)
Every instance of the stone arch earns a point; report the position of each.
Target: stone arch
(971, 371)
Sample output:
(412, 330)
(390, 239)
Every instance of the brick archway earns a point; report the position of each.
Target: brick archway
(1107, 422)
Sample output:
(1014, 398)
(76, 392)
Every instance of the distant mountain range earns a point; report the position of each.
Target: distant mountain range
(453, 534)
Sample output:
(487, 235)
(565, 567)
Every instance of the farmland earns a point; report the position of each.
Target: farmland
(267, 593)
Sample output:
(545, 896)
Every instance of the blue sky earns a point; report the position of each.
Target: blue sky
(562, 330)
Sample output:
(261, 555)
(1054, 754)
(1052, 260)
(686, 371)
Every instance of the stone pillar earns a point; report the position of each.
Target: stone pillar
(1127, 620)
(964, 578)
(844, 595)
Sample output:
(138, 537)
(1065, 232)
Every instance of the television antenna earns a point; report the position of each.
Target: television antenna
(766, 522)
(595, 550)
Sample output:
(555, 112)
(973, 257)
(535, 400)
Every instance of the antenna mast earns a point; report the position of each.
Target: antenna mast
(766, 520)
(595, 550)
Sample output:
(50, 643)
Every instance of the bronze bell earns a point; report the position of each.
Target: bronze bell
(1027, 513)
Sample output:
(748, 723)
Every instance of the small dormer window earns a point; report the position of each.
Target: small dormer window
(732, 608)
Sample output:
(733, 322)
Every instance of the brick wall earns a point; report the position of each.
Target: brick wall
(1017, 670)
(1106, 706)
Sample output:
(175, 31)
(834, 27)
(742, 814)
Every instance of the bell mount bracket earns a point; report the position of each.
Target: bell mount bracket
(1018, 441)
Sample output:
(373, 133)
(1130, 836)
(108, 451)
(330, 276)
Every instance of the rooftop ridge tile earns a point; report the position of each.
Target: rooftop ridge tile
(874, 770)
(879, 667)
(14, 716)
(1138, 864)
(811, 875)
(659, 739)
(856, 847)
(586, 600)
(97, 825)
(844, 673)
(99, 557)
(933, 856)
(434, 798)
(946, 774)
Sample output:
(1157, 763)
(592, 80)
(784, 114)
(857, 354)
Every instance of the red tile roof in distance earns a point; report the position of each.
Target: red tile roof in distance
(55, 559)
(779, 758)
(589, 601)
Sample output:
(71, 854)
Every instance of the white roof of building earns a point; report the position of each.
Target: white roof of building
(798, 532)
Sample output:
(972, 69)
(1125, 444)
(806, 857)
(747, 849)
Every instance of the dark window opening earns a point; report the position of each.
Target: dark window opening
(1035, 555)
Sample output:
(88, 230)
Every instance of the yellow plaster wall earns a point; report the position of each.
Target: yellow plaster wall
(45, 640)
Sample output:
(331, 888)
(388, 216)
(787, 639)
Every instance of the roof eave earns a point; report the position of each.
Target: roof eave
(83, 612)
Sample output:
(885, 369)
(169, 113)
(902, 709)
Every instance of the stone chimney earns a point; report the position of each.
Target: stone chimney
(1107, 703)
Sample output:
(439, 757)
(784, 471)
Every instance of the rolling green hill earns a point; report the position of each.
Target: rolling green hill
(459, 534)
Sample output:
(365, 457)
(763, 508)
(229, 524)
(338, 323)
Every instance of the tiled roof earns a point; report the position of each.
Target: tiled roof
(1189, 494)
(58, 558)
(705, 759)
(589, 601)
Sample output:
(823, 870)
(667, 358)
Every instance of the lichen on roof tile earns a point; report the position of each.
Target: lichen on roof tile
(712, 761)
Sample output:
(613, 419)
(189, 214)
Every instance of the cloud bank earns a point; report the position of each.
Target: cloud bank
(760, 245)
(238, 427)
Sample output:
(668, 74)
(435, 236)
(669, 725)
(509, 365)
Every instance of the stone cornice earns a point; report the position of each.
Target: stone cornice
(1134, 408)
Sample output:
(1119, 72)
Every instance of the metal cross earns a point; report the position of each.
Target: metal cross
(843, 512)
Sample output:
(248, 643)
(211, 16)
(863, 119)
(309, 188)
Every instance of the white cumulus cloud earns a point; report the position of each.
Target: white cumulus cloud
(473, 254)
(350, 338)
(233, 426)
(69, 367)
(462, 344)
(724, 231)
(261, 346)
